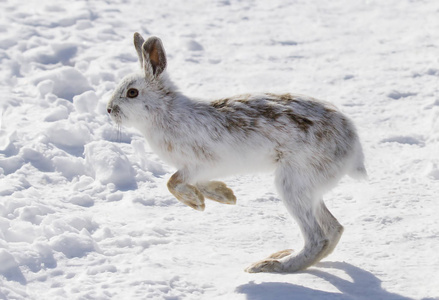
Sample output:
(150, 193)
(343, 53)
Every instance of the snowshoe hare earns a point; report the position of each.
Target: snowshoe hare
(309, 145)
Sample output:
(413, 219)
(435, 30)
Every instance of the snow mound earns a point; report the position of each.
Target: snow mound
(86, 102)
(82, 200)
(433, 171)
(68, 135)
(70, 166)
(9, 267)
(73, 244)
(109, 164)
(67, 82)
(53, 54)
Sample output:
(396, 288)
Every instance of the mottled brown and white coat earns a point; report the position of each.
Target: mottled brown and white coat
(308, 143)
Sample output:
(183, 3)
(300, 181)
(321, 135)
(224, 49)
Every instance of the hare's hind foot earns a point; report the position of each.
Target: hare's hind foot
(217, 191)
(270, 264)
(287, 262)
(281, 254)
(186, 193)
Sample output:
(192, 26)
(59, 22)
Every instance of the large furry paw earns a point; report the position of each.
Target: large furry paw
(217, 191)
(193, 198)
(190, 196)
(266, 265)
(185, 193)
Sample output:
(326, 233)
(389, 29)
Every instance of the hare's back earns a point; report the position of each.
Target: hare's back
(291, 113)
(290, 123)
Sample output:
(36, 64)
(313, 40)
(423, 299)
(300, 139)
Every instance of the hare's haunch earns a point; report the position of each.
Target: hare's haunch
(308, 143)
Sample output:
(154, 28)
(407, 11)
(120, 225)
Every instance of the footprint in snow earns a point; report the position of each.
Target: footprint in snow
(193, 45)
(406, 140)
(398, 95)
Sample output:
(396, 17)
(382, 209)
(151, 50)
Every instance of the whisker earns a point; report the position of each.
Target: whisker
(119, 133)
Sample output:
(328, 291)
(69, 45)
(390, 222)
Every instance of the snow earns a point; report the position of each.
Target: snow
(84, 208)
(109, 164)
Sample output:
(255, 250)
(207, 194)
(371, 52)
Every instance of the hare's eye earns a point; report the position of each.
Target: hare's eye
(132, 93)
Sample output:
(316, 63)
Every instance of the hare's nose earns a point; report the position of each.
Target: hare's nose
(109, 110)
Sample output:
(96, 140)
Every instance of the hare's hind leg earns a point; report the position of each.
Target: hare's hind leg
(184, 192)
(298, 197)
(217, 191)
(330, 225)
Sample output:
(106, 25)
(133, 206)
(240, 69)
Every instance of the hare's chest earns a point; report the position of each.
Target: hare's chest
(181, 151)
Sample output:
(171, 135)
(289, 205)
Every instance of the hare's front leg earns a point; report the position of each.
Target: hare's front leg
(186, 193)
(217, 191)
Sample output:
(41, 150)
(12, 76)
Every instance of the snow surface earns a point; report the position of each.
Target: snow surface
(84, 209)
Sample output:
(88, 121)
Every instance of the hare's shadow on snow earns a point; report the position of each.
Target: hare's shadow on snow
(364, 285)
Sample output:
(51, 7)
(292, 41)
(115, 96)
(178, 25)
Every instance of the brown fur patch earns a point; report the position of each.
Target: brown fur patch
(174, 181)
(217, 191)
(279, 155)
(301, 122)
(270, 112)
(222, 103)
(243, 114)
(169, 146)
(186, 193)
(281, 254)
(235, 124)
(202, 152)
(286, 97)
(281, 98)
(218, 104)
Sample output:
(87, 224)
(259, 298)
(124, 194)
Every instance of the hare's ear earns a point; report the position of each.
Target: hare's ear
(138, 42)
(154, 57)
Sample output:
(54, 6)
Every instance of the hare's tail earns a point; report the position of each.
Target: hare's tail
(358, 170)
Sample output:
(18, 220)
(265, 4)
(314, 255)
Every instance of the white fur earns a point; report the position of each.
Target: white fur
(309, 145)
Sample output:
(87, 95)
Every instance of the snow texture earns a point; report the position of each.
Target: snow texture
(84, 209)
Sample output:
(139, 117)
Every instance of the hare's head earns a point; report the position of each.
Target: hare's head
(143, 93)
